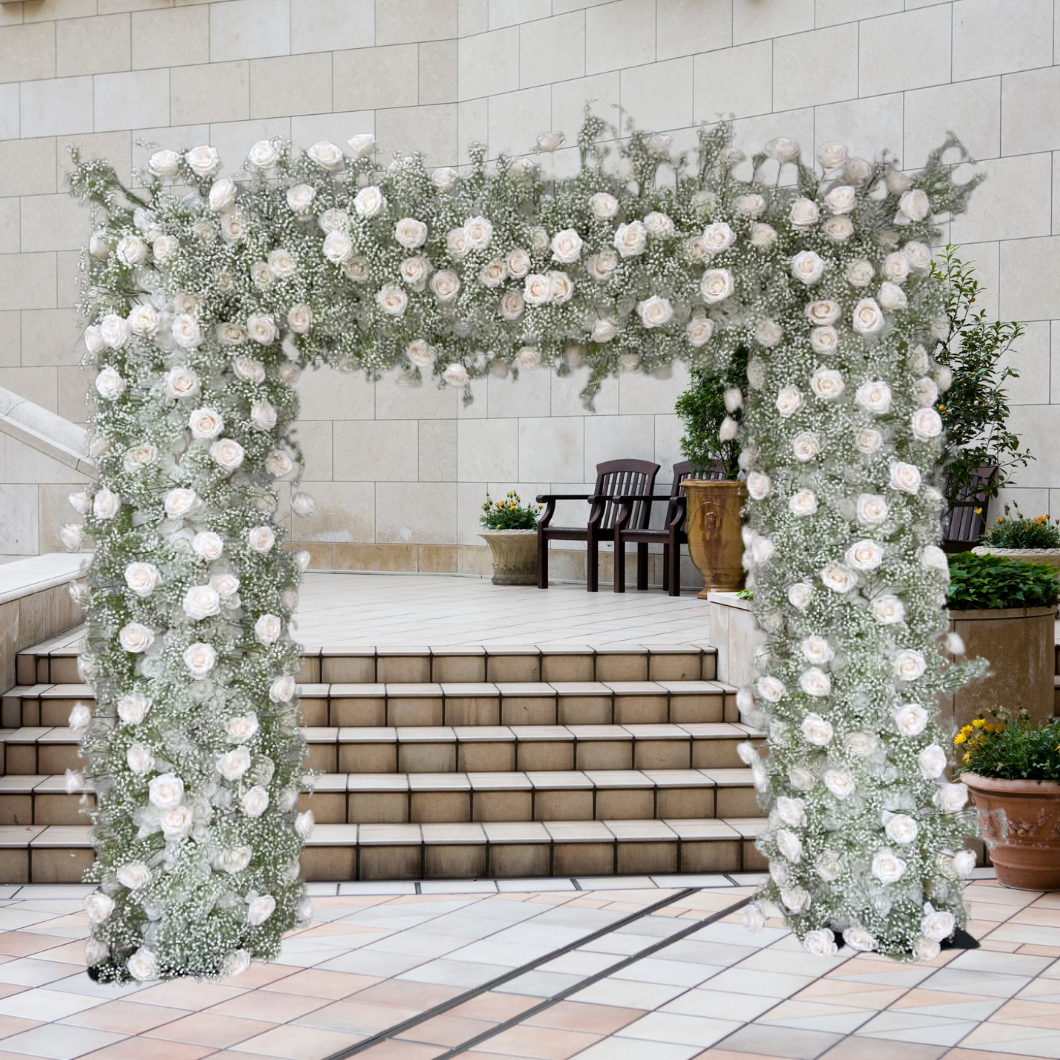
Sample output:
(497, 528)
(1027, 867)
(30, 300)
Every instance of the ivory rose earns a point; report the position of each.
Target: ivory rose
(808, 267)
(631, 239)
(716, 285)
(803, 503)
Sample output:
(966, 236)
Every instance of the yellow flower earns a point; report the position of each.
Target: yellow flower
(978, 511)
(960, 737)
(967, 730)
(979, 722)
(967, 757)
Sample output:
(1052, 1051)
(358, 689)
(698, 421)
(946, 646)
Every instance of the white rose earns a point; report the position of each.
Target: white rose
(862, 743)
(896, 266)
(817, 650)
(803, 503)
(528, 357)
(561, 288)
(235, 859)
(261, 327)
(134, 875)
(603, 206)
(762, 548)
(94, 339)
(791, 811)
(841, 200)
(250, 370)
(909, 664)
(98, 906)
(932, 761)
(114, 331)
(261, 538)
(537, 289)
(871, 509)
(926, 392)
(933, 558)
(142, 578)
(282, 689)
(900, 828)
(951, 798)
(142, 965)
(299, 319)
(631, 239)
(887, 867)
(868, 441)
(139, 758)
(857, 938)
(176, 822)
(131, 250)
(911, 719)
(817, 730)
(750, 205)
(267, 629)
(838, 229)
(263, 155)
(888, 610)
(789, 845)
(410, 233)
(716, 285)
(255, 801)
(718, 237)
(604, 330)
(963, 862)
(259, 909)
(326, 155)
(789, 401)
(927, 425)
(338, 247)
(655, 312)
(896, 181)
(132, 708)
(831, 155)
(201, 601)
(136, 637)
(71, 536)
(518, 262)
(263, 415)
(892, 297)
(918, 255)
(200, 659)
(303, 824)
(783, 149)
(79, 720)
(771, 689)
(166, 791)
(768, 333)
(164, 163)
(186, 331)
(392, 300)
(756, 372)
(865, 555)
(801, 779)
(445, 285)
(699, 331)
(874, 397)
(230, 334)
(937, 925)
(838, 578)
(227, 454)
(445, 178)
(805, 447)
(551, 141)
(823, 312)
(205, 423)
(763, 236)
(242, 729)
(164, 247)
(807, 266)
(80, 502)
(181, 382)
(222, 194)
(227, 585)
(300, 197)
(758, 485)
(868, 317)
(839, 782)
(860, 273)
(795, 899)
(566, 246)
(804, 213)
(143, 319)
(827, 384)
(202, 160)
(857, 170)
(105, 504)
(234, 764)
(905, 477)
(180, 502)
(914, 205)
(815, 682)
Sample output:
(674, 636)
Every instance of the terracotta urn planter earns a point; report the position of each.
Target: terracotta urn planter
(713, 531)
(1049, 557)
(1018, 644)
(1021, 823)
(514, 556)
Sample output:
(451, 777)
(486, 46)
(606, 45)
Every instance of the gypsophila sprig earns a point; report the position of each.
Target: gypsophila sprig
(207, 294)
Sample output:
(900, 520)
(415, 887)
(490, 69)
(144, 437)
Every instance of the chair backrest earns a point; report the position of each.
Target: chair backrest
(626, 478)
(963, 524)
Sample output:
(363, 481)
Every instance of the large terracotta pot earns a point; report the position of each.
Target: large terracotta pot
(1021, 823)
(1018, 644)
(1049, 557)
(713, 530)
(514, 556)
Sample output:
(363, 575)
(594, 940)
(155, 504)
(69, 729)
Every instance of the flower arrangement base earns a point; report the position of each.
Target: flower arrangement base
(514, 556)
(1021, 822)
(713, 532)
(1049, 557)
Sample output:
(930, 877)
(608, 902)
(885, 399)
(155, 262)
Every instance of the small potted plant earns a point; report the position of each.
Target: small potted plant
(1012, 769)
(1004, 611)
(511, 533)
(1017, 536)
(714, 504)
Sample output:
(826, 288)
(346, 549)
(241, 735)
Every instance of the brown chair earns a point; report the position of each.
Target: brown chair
(630, 479)
(964, 523)
(671, 535)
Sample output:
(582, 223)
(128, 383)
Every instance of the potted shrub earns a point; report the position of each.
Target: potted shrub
(1012, 769)
(1004, 611)
(714, 504)
(511, 533)
(1016, 536)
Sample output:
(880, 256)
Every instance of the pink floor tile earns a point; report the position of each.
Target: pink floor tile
(541, 1043)
(446, 1030)
(579, 1016)
(13, 1025)
(407, 995)
(495, 1006)
(147, 1049)
(320, 983)
(299, 1043)
(186, 994)
(24, 943)
(208, 1028)
(272, 1007)
(124, 1016)
(402, 1051)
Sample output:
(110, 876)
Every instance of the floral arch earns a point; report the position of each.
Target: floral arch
(207, 295)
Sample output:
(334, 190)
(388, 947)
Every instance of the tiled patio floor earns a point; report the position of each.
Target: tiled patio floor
(372, 960)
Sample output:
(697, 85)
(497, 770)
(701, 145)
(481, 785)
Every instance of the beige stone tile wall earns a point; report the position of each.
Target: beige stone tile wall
(400, 474)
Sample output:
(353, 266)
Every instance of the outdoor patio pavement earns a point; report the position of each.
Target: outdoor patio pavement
(372, 960)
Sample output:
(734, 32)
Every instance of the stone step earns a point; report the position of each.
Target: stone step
(434, 798)
(44, 750)
(499, 849)
(55, 662)
(456, 704)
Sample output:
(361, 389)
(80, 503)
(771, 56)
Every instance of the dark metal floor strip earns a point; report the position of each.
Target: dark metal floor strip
(500, 980)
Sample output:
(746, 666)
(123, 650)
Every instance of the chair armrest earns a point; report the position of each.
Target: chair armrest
(646, 498)
(542, 498)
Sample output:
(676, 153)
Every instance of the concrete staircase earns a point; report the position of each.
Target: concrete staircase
(519, 761)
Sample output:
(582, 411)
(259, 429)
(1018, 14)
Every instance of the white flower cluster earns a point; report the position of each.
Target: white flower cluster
(204, 307)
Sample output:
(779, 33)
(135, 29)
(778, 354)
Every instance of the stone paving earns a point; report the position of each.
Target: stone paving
(377, 955)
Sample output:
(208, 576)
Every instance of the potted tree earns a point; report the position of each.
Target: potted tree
(1012, 769)
(1005, 611)
(511, 533)
(1016, 536)
(715, 496)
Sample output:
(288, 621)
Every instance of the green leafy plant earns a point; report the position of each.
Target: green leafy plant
(702, 409)
(975, 408)
(1020, 531)
(1007, 746)
(509, 514)
(988, 582)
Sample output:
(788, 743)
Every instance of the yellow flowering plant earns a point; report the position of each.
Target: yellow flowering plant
(1008, 746)
(509, 514)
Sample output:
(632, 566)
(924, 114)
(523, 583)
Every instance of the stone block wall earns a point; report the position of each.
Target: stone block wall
(399, 475)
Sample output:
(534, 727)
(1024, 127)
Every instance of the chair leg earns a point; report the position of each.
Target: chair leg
(666, 567)
(592, 565)
(542, 561)
(642, 565)
(620, 564)
(674, 563)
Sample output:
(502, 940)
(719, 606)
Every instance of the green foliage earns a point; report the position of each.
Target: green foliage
(988, 582)
(509, 514)
(1009, 747)
(1020, 531)
(702, 408)
(745, 594)
(975, 407)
